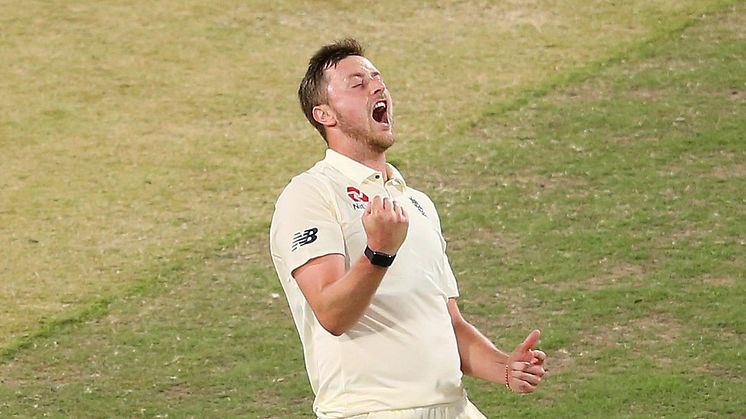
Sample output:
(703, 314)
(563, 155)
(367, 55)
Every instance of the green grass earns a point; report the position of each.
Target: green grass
(588, 166)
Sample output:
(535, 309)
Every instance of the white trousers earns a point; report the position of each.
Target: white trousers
(462, 409)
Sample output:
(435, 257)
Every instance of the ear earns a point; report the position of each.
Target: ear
(324, 115)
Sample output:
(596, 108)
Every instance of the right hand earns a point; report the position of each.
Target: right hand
(386, 224)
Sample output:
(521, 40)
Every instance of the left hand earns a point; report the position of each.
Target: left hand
(525, 365)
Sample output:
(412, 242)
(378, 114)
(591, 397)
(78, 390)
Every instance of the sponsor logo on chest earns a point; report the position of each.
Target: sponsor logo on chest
(359, 199)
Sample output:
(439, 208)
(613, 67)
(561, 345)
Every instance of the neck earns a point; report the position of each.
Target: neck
(361, 153)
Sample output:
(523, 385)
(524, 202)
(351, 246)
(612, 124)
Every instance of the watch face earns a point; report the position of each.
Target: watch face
(379, 259)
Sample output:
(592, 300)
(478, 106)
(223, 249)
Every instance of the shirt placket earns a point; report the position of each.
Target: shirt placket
(380, 186)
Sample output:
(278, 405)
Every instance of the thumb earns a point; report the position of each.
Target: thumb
(529, 342)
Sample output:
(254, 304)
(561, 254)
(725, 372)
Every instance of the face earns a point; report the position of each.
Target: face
(360, 103)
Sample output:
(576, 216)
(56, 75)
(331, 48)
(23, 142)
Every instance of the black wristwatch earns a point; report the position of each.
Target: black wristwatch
(379, 258)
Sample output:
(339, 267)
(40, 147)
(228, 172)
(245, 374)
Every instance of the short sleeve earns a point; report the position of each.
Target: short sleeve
(450, 285)
(304, 225)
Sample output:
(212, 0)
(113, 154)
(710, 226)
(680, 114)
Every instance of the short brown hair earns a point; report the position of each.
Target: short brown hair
(311, 91)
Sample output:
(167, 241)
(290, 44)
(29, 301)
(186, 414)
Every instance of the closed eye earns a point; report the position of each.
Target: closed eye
(356, 80)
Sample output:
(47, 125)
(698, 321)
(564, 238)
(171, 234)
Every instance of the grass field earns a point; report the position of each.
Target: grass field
(588, 160)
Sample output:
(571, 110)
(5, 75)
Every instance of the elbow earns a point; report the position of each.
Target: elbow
(333, 325)
(335, 332)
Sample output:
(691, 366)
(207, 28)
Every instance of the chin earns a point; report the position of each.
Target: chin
(382, 143)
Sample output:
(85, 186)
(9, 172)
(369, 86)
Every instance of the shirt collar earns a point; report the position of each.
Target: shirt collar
(359, 172)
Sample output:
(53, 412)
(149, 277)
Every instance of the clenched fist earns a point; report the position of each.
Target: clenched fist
(386, 224)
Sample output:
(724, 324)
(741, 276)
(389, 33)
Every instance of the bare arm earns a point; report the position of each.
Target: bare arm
(340, 298)
(480, 358)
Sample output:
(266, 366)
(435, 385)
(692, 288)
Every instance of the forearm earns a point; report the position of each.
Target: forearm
(341, 303)
(479, 357)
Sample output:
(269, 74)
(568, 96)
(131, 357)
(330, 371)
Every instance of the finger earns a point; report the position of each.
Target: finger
(531, 379)
(386, 205)
(401, 213)
(529, 342)
(536, 370)
(398, 209)
(538, 357)
(376, 203)
(528, 368)
(520, 386)
(519, 366)
(525, 377)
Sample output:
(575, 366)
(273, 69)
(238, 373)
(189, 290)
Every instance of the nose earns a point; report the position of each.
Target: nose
(377, 86)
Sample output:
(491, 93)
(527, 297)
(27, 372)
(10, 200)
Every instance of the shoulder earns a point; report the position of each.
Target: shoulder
(301, 184)
(426, 205)
(309, 185)
(421, 197)
(416, 193)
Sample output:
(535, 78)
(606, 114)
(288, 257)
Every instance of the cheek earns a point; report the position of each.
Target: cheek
(352, 111)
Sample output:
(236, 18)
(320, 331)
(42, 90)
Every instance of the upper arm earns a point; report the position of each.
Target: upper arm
(306, 238)
(304, 226)
(316, 274)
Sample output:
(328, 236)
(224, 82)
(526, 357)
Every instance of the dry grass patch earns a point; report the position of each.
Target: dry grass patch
(504, 244)
(652, 337)
(176, 392)
(559, 181)
(720, 281)
(729, 171)
(590, 91)
(623, 274)
(272, 400)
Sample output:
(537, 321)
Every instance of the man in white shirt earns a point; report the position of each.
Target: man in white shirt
(362, 261)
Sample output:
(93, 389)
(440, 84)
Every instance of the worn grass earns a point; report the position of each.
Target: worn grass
(128, 131)
(589, 171)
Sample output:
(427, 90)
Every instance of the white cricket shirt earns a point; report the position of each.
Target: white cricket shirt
(402, 353)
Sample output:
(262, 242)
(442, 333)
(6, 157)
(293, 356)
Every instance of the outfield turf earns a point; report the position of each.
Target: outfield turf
(587, 159)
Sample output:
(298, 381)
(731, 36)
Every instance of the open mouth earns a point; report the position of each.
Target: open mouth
(380, 112)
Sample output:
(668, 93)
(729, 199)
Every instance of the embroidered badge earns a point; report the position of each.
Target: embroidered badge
(358, 198)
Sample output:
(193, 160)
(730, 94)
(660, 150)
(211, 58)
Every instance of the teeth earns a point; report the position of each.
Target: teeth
(380, 105)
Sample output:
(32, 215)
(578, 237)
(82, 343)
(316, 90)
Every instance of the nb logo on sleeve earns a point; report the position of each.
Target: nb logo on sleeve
(305, 237)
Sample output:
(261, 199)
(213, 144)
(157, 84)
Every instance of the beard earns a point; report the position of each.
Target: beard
(375, 141)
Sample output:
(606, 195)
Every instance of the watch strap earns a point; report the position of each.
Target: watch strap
(379, 258)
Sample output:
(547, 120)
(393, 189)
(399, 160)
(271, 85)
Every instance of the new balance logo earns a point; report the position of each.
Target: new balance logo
(305, 237)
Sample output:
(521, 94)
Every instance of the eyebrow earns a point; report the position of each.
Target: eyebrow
(362, 75)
